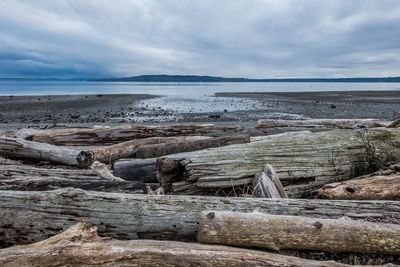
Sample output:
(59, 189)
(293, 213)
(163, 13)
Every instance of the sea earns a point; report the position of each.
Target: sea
(177, 89)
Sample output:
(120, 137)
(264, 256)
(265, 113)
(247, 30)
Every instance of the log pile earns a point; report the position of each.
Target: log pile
(304, 161)
(108, 196)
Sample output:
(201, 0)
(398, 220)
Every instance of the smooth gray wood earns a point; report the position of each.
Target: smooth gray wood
(29, 216)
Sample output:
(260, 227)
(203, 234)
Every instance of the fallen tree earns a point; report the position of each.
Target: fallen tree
(20, 148)
(304, 161)
(27, 217)
(282, 232)
(160, 146)
(321, 123)
(30, 178)
(380, 185)
(84, 157)
(107, 135)
(80, 245)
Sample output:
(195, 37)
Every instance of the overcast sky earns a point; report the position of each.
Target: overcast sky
(254, 38)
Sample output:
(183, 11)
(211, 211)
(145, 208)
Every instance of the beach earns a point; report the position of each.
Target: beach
(245, 108)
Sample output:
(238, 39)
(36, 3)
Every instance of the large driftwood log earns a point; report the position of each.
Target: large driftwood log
(160, 146)
(27, 217)
(282, 232)
(107, 135)
(80, 245)
(20, 148)
(304, 161)
(321, 123)
(394, 124)
(382, 184)
(25, 177)
(369, 188)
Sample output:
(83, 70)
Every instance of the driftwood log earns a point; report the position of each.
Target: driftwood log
(268, 185)
(321, 123)
(282, 232)
(20, 148)
(144, 170)
(394, 124)
(304, 161)
(27, 217)
(80, 245)
(30, 178)
(383, 184)
(107, 135)
(161, 146)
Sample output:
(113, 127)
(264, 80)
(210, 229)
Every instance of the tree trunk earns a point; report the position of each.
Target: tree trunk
(304, 161)
(20, 148)
(29, 178)
(27, 217)
(161, 146)
(106, 135)
(80, 245)
(282, 232)
(144, 170)
(321, 123)
(369, 188)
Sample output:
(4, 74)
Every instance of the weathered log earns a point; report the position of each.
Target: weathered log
(368, 188)
(263, 186)
(282, 232)
(321, 123)
(271, 173)
(20, 148)
(160, 146)
(102, 170)
(144, 170)
(304, 161)
(394, 124)
(107, 135)
(80, 245)
(27, 217)
(25, 177)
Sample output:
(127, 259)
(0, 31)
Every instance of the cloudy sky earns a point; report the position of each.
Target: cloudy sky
(255, 38)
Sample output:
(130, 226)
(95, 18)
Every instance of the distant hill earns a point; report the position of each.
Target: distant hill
(194, 78)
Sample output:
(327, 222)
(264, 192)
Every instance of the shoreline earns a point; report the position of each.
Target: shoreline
(113, 109)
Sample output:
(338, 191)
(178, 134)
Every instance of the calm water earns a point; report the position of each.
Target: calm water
(177, 89)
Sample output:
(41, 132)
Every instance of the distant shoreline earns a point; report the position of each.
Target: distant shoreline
(213, 79)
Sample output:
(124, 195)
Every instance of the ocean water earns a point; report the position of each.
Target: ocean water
(187, 90)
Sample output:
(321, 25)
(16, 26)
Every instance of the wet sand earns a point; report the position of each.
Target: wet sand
(89, 110)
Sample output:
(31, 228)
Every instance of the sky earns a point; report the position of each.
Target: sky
(235, 38)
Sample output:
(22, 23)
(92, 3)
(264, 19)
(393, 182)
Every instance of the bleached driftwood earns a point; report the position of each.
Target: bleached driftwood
(394, 124)
(107, 135)
(369, 188)
(321, 123)
(282, 232)
(27, 216)
(30, 178)
(20, 148)
(267, 184)
(304, 161)
(80, 245)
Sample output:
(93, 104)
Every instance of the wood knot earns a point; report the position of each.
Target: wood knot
(317, 225)
(211, 215)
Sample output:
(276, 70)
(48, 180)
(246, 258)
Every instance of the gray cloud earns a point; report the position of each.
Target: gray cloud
(258, 38)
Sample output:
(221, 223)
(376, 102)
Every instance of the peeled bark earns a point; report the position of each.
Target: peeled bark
(29, 178)
(80, 245)
(27, 217)
(107, 135)
(321, 123)
(20, 148)
(368, 188)
(282, 232)
(304, 161)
